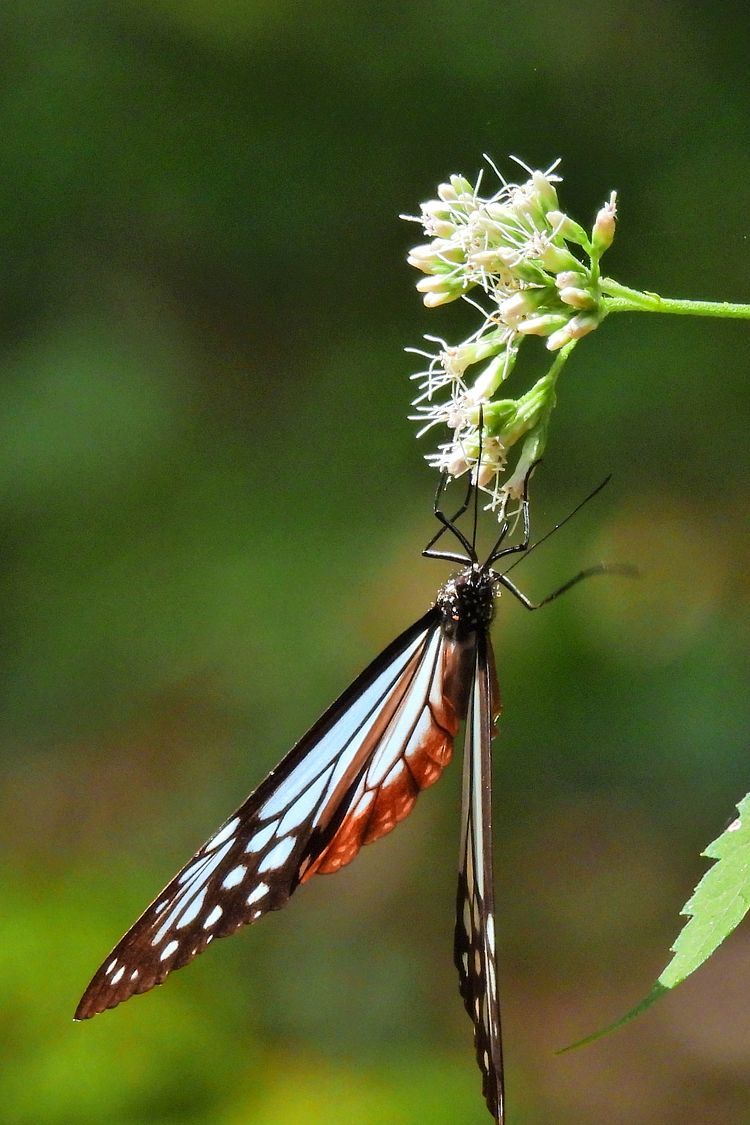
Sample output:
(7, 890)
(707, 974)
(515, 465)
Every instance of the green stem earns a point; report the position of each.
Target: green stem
(560, 360)
(619, 298)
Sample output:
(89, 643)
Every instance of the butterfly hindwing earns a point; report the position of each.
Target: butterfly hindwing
(474, 947)
(348, 781)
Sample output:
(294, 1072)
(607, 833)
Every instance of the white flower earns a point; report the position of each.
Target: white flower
(538, 271)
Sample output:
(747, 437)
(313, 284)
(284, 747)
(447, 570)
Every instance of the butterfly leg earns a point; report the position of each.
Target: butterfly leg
(498, 551)
(448, 524)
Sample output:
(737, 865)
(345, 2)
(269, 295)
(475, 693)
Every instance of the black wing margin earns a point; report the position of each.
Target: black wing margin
(354, 775)
(474, 945)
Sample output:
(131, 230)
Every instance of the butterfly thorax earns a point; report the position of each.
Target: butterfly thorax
(467, 601)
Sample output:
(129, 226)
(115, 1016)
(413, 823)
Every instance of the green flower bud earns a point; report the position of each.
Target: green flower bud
(457, 187)
(532, 449)
(567, 228)
(491, 376)
(556, 258)
(545, 190)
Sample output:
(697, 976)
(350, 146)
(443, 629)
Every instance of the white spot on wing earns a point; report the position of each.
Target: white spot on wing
(110, 967)
(257, 842)
(134, 974)
(258, 892)
(118, 975)
(235, 876)
(213, 918)
(277, 855)
(168, 950)
(192, 911)
(224, 834)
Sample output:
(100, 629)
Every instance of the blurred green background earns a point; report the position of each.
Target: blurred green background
(212, 510)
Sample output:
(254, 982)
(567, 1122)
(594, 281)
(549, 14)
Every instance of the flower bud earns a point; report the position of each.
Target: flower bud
(577, 278)
(457, 187)
(521, 304)
(577, 298)
(576, 328)
(422, 257)
(545, 190)
(567, 228)
(502, 215)
(486, 261)
(493, 461)
(443, 228)
(432, 257)
(555, 258)
(490, 378)
(433, 300)
(581, 325)
(603, 232)
(533, 447)
(542, 325)
(497, 415)
(439, 289)
(435, 209)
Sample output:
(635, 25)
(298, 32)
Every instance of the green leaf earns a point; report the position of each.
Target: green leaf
(718, 904)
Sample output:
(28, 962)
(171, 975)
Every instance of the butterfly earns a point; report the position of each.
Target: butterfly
(350, 780)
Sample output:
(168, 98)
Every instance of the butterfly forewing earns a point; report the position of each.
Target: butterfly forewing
(348, 781)
(475, 902)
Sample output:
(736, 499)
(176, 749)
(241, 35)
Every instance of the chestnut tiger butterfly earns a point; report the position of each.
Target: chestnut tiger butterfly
(348, 781)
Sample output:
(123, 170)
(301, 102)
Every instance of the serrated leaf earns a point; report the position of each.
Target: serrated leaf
(716, 907)
(719, 902)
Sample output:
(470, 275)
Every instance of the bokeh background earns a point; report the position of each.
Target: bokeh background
(212, 510)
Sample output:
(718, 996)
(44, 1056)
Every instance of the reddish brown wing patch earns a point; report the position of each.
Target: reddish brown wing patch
(410, 749)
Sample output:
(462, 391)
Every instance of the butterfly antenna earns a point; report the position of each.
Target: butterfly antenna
(476, 482)
(562, 522)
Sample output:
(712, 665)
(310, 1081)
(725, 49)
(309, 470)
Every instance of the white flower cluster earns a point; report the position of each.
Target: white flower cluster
(521, 250)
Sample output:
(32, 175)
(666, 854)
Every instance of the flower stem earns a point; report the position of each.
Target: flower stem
(619, 298)
(560, 360)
